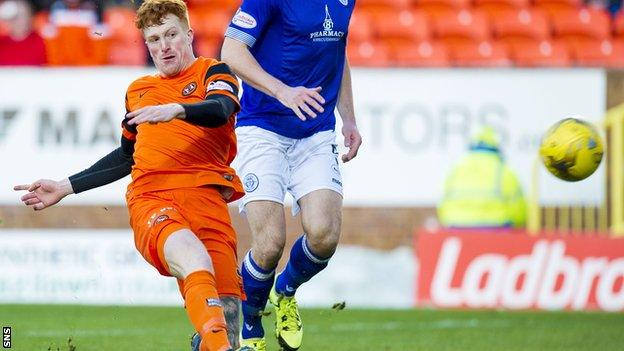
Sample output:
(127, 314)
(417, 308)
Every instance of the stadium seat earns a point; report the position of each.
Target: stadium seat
(521, 26)
(599, 53)
(368, 54)
(618, 25)
(483, 54)
(462, 27)
(582, 24)
(360, 27)
(406, 25)
(61, 43)
(207, 6)
(496, 8)
(554, 7)
(210, 24)
(424, 54)
(541, 54)
(120, 21)
(208, 47)
(436, 8)
(383, 5)
(123, 54)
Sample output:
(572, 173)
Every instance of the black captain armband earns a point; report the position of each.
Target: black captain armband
(213, 112)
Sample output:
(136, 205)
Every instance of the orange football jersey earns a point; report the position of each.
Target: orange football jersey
(178, 154)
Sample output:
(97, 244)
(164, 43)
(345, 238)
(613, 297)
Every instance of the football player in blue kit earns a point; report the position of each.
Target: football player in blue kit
(291, 58)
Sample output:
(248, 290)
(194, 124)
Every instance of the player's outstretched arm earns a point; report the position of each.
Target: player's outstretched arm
(114, 166)
(44, 192)
(352, 137)
(302, 100)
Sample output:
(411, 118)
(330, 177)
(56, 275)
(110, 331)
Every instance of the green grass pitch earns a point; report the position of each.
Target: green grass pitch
(102, 328)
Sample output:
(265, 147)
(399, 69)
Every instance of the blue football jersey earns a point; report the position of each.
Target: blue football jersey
(301, 43)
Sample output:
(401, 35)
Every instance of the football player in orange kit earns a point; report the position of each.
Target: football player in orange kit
(178, 142)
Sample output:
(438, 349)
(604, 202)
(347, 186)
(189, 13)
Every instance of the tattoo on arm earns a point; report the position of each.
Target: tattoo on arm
(231, 310)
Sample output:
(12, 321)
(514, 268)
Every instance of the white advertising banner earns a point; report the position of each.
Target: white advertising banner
(415, 125)
(103, 267)
(79, 266)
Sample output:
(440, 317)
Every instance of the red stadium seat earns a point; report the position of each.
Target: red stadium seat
(462, 27)
(360, 27)
(541, 54)
(496, 8)
(599, 53)
(368, 54)
(483, 54)
(403, 26)
(424, 54)
(583, 24)
(436, 8)
(554, 7)
(521, 25)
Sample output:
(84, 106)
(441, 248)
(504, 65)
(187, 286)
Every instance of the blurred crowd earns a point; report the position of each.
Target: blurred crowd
(412, 33)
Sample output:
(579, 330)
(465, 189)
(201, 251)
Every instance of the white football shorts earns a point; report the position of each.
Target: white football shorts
(271, 165)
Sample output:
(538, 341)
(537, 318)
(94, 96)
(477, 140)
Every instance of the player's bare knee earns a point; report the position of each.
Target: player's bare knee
(268, 256)
(323, 240)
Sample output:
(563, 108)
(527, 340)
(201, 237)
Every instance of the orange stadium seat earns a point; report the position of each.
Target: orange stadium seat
(424, 54)
(521, 26)
(208, 47)
(368, 54)
(360, 27)
(120, 21)
(483, 54)
(383, 5)
(212, 5)
(541, 54)
(462, 27)
(599, 53)
(127, 54)
(582, 24)
(495, 8)
(403, 26)
(436, 8)
(210, 24)
(554, 7)
(61, 43)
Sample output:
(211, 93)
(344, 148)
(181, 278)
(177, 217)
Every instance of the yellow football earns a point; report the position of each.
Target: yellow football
(571, 149)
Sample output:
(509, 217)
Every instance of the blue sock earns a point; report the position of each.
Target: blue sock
(257, 283)
(302, 265)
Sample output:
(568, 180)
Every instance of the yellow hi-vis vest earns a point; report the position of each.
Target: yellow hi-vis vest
(482, 192)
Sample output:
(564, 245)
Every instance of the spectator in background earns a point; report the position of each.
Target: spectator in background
(22, 46)
(482, 191)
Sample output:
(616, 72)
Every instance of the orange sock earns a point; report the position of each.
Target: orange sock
(205, 311)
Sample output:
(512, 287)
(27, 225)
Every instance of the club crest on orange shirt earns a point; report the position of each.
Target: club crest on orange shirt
(189, 89)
